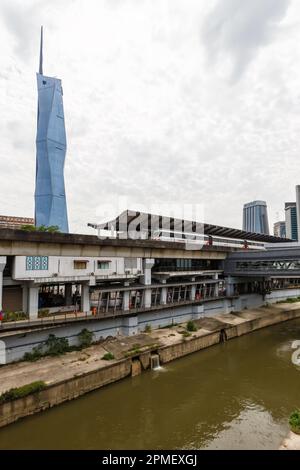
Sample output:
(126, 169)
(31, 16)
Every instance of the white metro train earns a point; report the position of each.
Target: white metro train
(208, 240)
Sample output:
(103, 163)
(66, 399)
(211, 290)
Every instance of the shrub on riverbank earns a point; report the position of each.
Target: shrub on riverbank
(289, 300)
(294, 421)
(108, 356)
(85, 338)
(191, 326)
(20, 392)
(55, 346)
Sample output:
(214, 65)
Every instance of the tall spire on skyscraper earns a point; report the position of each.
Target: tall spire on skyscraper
(41, 53)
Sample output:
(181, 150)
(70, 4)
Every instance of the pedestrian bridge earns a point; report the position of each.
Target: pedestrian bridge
(273, 262)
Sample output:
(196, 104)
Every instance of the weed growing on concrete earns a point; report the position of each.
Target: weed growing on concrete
(185, 334)
(108, 356)
(289, 300)
(191, 326)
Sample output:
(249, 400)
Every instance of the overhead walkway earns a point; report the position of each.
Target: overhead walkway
(273, 262)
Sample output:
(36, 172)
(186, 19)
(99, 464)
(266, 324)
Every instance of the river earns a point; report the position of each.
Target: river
(236, 395)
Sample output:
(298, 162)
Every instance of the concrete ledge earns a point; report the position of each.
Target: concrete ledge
(63, 391)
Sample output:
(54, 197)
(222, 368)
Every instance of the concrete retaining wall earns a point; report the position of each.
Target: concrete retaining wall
(170, 353)
(64, 391)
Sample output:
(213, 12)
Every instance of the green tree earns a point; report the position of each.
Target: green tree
(41, 228)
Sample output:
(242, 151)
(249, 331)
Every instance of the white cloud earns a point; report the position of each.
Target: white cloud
(146, 117)
(236, 29)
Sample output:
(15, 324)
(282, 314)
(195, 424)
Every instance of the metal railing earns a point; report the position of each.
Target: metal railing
(69, 317)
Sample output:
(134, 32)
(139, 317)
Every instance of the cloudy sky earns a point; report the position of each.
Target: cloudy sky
(166, 101)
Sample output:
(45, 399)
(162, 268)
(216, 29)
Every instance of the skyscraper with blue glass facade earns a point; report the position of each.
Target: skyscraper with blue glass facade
(255, 217)
(51, 146)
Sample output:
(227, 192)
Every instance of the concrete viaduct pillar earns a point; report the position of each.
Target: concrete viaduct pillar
(163, 295)
(229, 284)
(216, 292)
(193, 292)
(85, 298)
(146, 280)
(126, 300)
(68, 294)
(2, 266)
(33, 301)
(25, 298)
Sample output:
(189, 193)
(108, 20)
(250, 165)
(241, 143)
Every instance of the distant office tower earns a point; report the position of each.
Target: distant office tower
(50, 197)
(291, 220)
(10, 221)
(255, 217)
(298, 209)
(279, 229)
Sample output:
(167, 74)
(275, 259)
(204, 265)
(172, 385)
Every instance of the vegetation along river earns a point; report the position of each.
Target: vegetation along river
(236, 395)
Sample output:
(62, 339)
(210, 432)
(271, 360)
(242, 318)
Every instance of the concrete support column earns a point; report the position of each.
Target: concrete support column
(197, 312)
(130, 326)
(68, 294)
(33, 302)
(229, 284)
(147, 298)
(193, 292)
(163, 295)
(147, 266)
(125, 300)
(216, 292)
(85, 298)
(25, 298)
(146, 280)
(2, 266)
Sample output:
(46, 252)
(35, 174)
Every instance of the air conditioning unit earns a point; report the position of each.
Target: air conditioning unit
(55, 274)
(92, 274)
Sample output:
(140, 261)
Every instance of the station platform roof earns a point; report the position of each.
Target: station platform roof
(142, 221)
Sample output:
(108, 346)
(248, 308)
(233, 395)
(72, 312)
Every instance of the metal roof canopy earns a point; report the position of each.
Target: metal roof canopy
(134, 221)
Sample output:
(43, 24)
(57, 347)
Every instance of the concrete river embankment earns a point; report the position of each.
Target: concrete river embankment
(77, 373)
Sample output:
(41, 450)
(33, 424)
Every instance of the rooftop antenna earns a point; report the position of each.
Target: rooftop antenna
(41, 53)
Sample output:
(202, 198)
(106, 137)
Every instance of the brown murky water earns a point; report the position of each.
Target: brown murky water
(236, 395)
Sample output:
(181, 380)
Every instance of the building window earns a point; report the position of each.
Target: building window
(79, 264)
(103, 264)
(36, 263)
